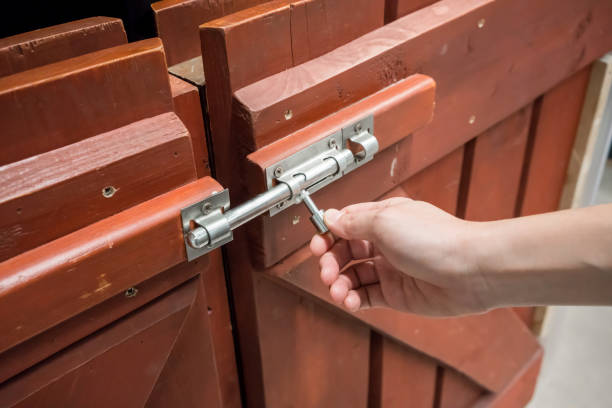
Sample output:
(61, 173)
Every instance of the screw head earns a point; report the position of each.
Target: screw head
(278, 172)
(332, 143)
(109, 191)
(472, 119)
(131, 292)
(481, 23)
(358, 127)
(206, 208)
(280, 205)
(288, 114)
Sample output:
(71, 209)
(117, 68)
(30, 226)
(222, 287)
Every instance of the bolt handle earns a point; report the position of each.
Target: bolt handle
(317, 215)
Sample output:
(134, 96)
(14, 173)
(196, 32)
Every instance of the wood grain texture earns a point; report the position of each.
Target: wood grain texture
(177, 23)
(223, 47)
(395, 9)
(51, 44)
(477, 70)
(186, 99)
(129, 355)
(398, 111)
(61, 103)
(399, 377)
(457, 391)
(519, 391)
(143, 240)
(473, 345)
(49, 342)
(50, 195)
(496, 166)
(550, 145)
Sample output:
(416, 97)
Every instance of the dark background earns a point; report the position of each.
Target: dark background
(20, 16)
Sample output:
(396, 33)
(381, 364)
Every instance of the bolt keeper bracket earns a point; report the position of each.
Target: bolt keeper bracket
(208, 224)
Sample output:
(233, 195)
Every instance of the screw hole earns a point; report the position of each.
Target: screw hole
(109, 191)
(288, 114)
(175, 154)
(19, 211)
(131, 292)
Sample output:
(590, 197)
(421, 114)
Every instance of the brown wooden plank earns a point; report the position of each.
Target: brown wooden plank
(395, 9)
(404, 378)
(313, 357)
(148, 236)
(488, 348)
(225, 46)
(550, 145)
(129, 355)
(495, 174)
(397, 110)
(463, 45)
(189, 377)
(51, 44)
(519, 391)
(457, 391)
(61, 103)
(36, 349)
(58, 192)
(186, 99)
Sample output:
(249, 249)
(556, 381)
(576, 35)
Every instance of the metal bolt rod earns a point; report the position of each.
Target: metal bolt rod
(256, 206)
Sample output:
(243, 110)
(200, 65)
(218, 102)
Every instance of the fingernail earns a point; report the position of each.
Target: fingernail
(332, 215)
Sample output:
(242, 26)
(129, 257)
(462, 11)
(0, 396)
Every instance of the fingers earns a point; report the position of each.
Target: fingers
(358, 287)
(356, 221)
(340, 254)
(364, 298)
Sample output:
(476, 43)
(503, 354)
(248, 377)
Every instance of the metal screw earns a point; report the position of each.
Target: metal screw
(481, 23)
(358, 127)
(206, 208)
(109, 191)
(288, 114)
(278, 172)
(332, 143)
(280, 205)
(472, 120)
(131, 292)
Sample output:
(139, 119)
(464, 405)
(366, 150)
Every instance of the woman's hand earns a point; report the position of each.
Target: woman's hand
(403, 254)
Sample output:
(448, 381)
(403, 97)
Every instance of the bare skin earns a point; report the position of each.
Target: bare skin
(411, 256)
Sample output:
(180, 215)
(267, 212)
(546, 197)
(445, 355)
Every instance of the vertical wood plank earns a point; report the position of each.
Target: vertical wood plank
(457, 391)
(395, 9)
(556, 121)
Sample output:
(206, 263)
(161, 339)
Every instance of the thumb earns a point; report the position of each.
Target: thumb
(354, 222)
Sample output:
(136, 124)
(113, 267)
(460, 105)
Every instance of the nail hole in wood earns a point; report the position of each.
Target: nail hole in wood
(131, 292)
(109, 191)
(288, 114)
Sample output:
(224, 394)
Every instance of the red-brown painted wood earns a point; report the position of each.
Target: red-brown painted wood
(556, 118)
(395, 9)
(480, 79)
(186, 99)
(457, 391)
(61, 103)
(495, 169)
(55, 193)
(132, 351)
(399, 377)
(148, 236)
(51, 44)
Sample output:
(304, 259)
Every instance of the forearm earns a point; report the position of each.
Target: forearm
(557, 258)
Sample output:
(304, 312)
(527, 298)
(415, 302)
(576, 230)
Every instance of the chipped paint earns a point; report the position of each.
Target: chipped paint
(393, 166)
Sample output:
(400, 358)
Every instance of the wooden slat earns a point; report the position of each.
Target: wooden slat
(189, 376)
(57, 104)
(457, 391)
(186, 99)
(556, 122)
(233, 37)
(496, 165)
(403, 378)
(142, 241)
(483, 75)
(519, 391)
(129, 355)
(36, 349)
(47, 45)
(395, 9)
(55, 193)
(397, 110)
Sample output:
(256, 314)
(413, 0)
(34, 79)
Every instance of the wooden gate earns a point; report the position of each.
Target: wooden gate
(475, 107)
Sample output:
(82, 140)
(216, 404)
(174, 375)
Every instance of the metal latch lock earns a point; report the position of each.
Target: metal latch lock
(209, 223)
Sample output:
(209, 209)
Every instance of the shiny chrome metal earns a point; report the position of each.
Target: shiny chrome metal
(209, 223)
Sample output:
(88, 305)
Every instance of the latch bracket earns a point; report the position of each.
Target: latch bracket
(208, 224)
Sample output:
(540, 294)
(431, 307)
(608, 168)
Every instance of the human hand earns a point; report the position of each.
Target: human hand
(403, 254)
